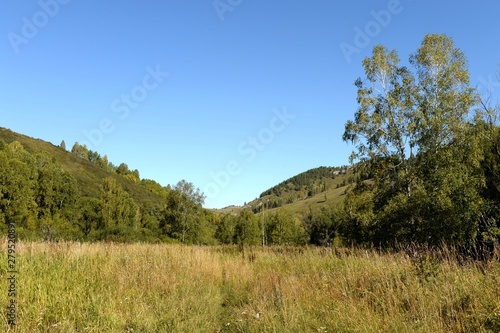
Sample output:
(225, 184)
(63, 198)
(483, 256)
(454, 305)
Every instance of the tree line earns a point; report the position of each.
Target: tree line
(102, 161)
(46, 203)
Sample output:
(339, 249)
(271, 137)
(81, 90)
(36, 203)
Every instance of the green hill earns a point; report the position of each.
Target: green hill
(311, 189)
(88, 175)
(52, 194)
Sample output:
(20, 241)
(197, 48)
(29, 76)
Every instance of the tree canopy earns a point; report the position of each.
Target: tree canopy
(414, 130)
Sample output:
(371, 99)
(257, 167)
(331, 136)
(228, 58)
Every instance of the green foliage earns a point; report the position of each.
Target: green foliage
(117, 207)
(278, 227)
(52, 195)
(56, 190)
(488, 128)
(300, 187)
(412, 132)
(357, 217)
(90, 218)
(151, 215)
(184, 218)
(155, 188)
(17, 182)
(36, 193)
(246, 229)
(188, 190)
(226, 229)
(322, 226)
(80, 151)
(282, 228)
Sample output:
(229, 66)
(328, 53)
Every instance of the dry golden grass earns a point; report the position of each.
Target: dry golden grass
(73, 287)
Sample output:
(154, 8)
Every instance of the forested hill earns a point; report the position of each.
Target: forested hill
(311, 182)
(88, 175)
(51, 193)
(305, 185)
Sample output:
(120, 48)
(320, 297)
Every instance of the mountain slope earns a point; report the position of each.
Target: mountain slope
(88, 175)
(310, 189)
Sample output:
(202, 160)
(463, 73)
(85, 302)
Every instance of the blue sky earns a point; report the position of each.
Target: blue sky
(234, 96)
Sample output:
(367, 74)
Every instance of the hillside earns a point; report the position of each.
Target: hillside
(51, 194)
(88, 175)
(306, 183)
(310, 189)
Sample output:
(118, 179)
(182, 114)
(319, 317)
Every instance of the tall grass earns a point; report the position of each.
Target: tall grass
(74, 287)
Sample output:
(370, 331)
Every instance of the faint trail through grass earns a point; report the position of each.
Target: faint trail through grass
(73, 287)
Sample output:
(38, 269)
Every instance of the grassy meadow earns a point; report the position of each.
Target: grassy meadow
(105, 287)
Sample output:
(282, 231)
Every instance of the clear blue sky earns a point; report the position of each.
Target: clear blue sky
(220, 76)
